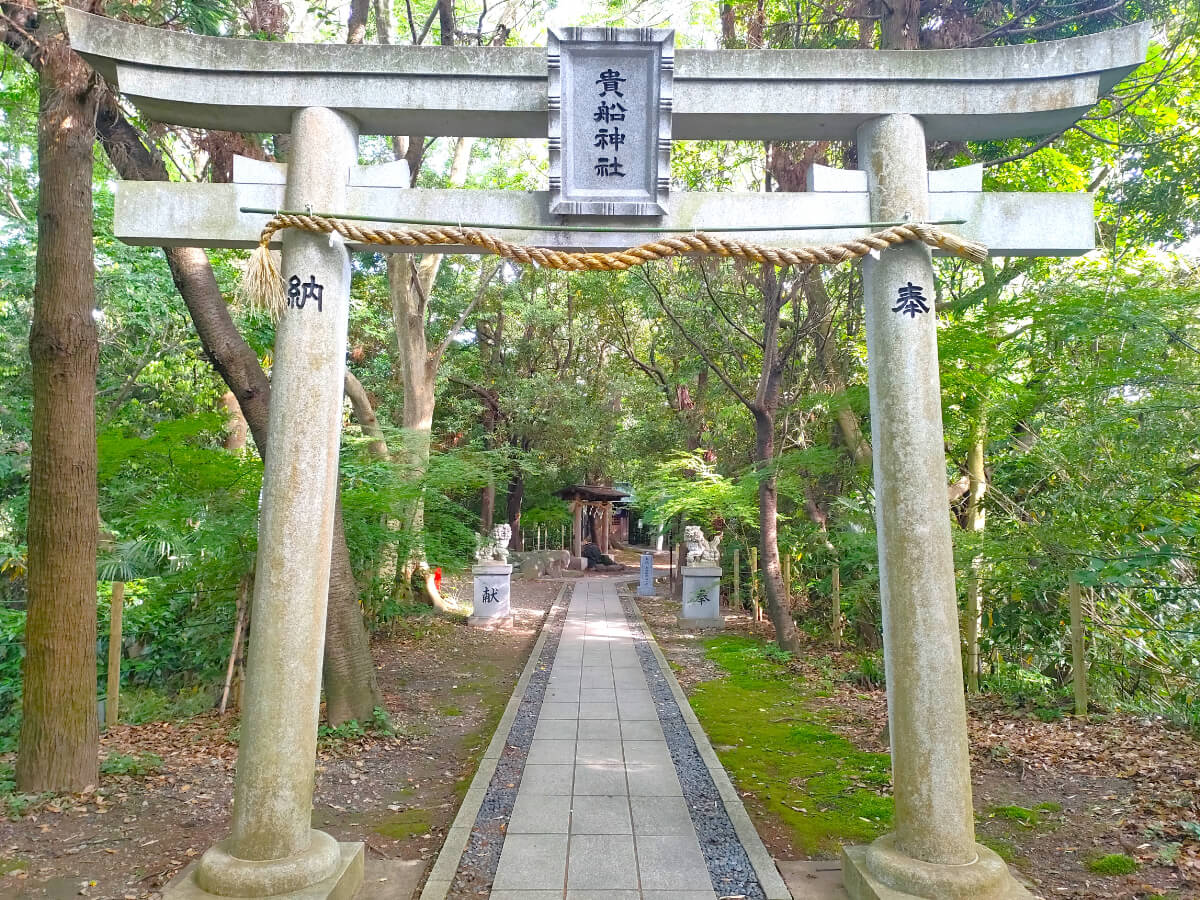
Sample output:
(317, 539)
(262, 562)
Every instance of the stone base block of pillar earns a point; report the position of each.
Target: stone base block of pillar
(490, 623)
(343, 884)
(879, 871)
(578, 562)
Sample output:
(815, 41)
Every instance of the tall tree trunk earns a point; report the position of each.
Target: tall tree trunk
(516, 497)
(829, 370)
(866, 25)
(59, 731)
(409, 298)
(487, 507)
(768, 524)
(487, 496)
(900, 26)
(764, 407)
(409, 286)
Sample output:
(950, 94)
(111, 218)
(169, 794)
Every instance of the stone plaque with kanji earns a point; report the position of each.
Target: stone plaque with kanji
(610, 120)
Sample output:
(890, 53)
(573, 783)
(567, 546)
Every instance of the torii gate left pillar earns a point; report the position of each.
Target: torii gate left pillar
(272, 849)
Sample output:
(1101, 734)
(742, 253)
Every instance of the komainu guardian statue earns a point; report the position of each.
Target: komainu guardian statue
(701, 552)
(494, 547)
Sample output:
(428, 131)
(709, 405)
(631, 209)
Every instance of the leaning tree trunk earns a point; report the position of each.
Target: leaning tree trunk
(239, 368)
(768, 524)
(59, 731)
(976, 522)
(351, 687)
(349, 679)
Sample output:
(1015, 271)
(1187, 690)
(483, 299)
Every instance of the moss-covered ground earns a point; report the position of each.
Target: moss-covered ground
(781, 748)
(405, 824)
(493, 693)
(1113, 864)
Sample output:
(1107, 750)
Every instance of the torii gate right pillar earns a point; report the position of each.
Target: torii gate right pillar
(932, 853)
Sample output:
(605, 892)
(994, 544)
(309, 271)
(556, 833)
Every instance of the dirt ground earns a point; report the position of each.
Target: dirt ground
(445, 686)
(1120, 785)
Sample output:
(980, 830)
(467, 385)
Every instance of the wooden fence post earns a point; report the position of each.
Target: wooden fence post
(1078, 661)
(113, 696)
(737, 578)
(973, 623)
(836, 610)
(754, 584)
(243, 600)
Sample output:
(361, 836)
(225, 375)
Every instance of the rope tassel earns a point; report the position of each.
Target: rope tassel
(263, 285)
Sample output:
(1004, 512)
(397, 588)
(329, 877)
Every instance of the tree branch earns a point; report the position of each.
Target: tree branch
(713, 297)
(435, 358)
(747, 402)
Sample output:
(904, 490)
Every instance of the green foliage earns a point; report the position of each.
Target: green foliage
(138, 765)
(869, 672)
(13, 804)
(1113, 864)
(330, 736)
(140, 705)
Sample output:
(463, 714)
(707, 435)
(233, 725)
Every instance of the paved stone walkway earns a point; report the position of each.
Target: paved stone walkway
(600, 813)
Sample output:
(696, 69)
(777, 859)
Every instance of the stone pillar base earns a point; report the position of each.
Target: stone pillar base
(707, 623)
(881, 872)
(490, 623)
(343, 884)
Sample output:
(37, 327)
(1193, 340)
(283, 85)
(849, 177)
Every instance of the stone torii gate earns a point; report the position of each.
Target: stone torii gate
(891, 103)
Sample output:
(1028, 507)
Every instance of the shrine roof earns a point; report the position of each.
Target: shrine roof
(244, 85)
(594, 492)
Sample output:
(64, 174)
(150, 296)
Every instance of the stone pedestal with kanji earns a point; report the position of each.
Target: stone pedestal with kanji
(646, 576)
(492, 591)
(701, 597)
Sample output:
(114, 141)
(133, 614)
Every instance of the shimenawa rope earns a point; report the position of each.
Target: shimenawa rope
(263, 284)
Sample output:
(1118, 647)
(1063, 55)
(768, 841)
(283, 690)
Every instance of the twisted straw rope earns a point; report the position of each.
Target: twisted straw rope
(264, 283)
